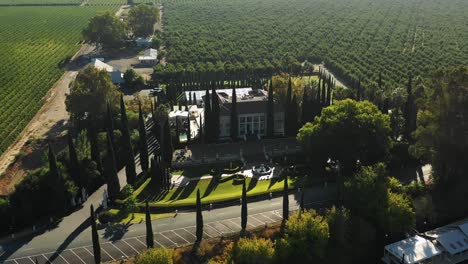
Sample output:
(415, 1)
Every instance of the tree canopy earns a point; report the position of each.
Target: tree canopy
(105, 31)
(348, 132)
(142, 18)
(89, 93)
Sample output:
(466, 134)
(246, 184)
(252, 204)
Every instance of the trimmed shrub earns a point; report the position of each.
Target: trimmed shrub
(253, 251)
(106, 217)
(155, 256)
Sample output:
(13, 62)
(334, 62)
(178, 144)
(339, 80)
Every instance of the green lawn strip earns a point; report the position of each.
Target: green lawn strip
(138, 217)
(223, 191)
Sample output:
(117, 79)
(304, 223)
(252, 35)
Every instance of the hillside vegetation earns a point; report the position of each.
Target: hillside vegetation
(357, 39)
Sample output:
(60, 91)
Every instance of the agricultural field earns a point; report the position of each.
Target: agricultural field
(40, 2)
(34, 42)
(357, 39)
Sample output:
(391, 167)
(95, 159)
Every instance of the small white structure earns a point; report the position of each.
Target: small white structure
(143, 42)
(444, 245)
(116, 76)
(150, 57)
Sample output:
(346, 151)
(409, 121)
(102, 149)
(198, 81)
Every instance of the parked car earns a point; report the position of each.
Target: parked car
(156, 90)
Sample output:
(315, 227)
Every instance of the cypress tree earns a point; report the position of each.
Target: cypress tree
(57, 182)
(270, 128)
(153, 172)
(190, 98)
(305, 108)
(74, 163)
(149, 228)
(323, 93)
(189, 131)
(110, 123)
(234, 118)
(200, 131)
(95, 237)
(301, 204)
(410, 111)
(195, 99)
(285, 200)
(177, 136)
(130, 170)
(199, 231)
(244, 209)
(215, 112)
(329, 91)
(294, 116)
(113, 184)
(142, 142)
(167, 145)
(287, 109)
(93, 141)
(207, 115)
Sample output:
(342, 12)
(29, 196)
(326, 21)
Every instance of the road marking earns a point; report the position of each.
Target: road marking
(92, 254)
(216, 230)
(180, 237)
(256, 220)
(189, 233)
(208, 235)
(130, 246)
(15, 261)
(267, 217)
(32, 260)
(161, 245)
(140, 242)
(234, 223)
(105, 251)
(78, 256)
(168, 238)
(61, 257)
(119, 250)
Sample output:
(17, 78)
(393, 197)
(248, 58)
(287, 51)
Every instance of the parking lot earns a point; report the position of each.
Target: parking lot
(111, 251)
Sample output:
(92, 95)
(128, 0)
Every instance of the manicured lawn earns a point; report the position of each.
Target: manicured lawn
(139, 217)
(211, 190)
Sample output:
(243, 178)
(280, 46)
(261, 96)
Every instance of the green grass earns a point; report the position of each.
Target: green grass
(210, 191)
(137, 218)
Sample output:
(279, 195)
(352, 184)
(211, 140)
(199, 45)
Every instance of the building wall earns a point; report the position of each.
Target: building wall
(254, 123)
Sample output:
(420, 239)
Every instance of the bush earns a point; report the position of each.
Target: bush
(253, 251)
(414, 189)
(155, 256)
(126, 191)
(106, 217)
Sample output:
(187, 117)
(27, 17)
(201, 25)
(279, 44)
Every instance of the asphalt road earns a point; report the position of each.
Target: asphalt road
(121, 241)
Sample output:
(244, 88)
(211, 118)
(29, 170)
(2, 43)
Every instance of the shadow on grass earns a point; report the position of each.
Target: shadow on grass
(274, 180)
(184, 192)
(253, 182)
(212, 186)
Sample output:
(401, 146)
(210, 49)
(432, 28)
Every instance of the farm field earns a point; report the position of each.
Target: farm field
(34, 42)
(356, 39)
(39, 2)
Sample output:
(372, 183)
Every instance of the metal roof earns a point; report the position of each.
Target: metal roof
(415, 249)
(464, 228)
(453, 241)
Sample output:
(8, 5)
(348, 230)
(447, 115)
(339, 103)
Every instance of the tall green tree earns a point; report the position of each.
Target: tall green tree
(130, 168)
(106, 31)
(143, 142)
(168, 149)
(207, 118)
(234, 117)
(89, 94)
(113, 184)
(215, 111)
(244, 209)
(347, 132)
(57, 182)
(74, 168)
(287, 110)
(285, 199)
(410, 111)
(270, 126)
(93, 142)
(293, 116)
(149, 228)
(110, 122)
(199, 231)
(95, 238)
(142, 19)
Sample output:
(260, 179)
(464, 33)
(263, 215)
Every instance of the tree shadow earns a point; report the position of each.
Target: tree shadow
(274, 180)
(212, 186)
(83, 226)
(188, 189)
(116, 231)
(253, 182)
